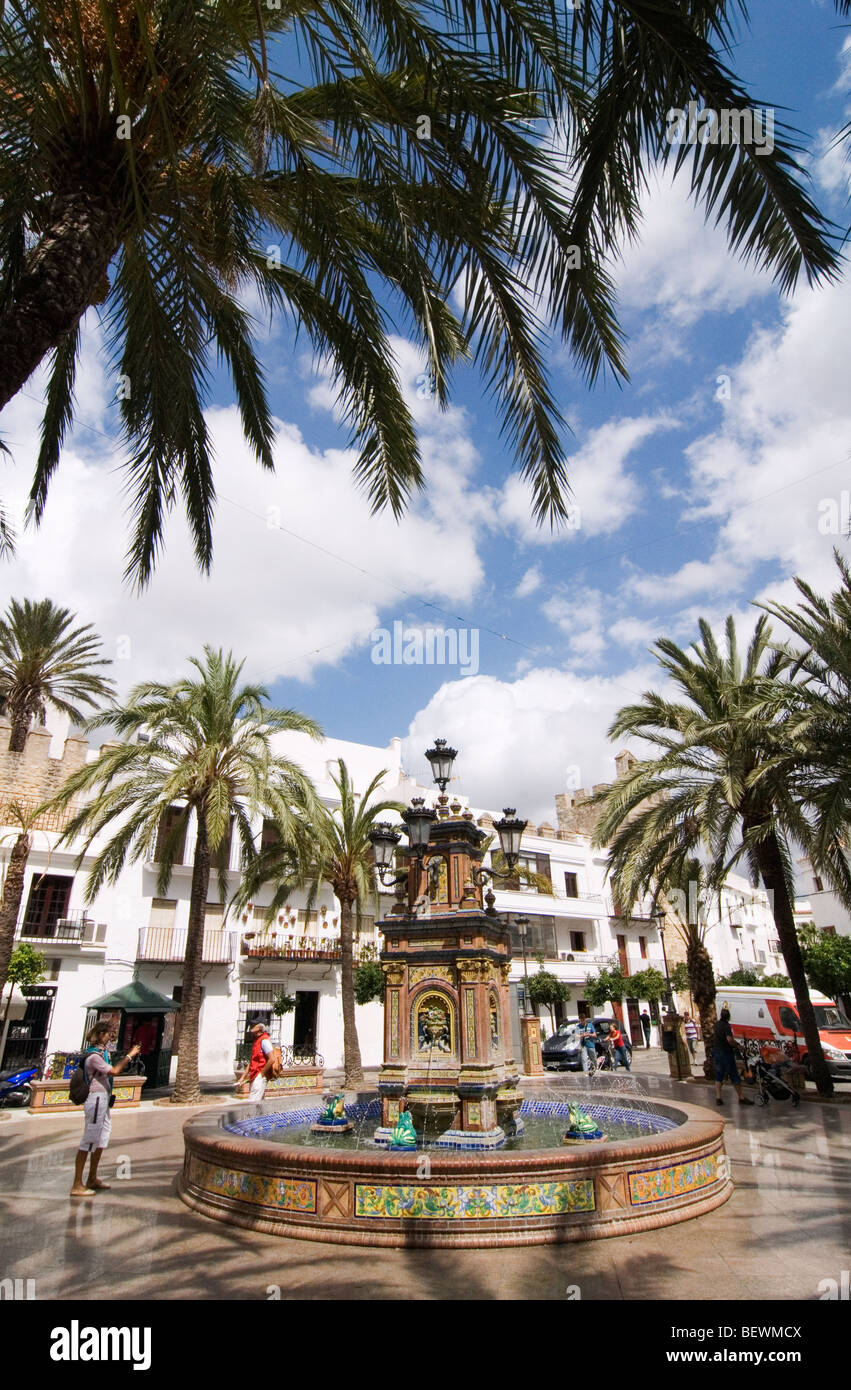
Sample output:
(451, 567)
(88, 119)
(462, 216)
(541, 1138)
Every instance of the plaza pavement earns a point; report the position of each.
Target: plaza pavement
(786, 1228)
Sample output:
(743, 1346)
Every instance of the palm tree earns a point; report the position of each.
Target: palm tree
(819, 718)
(339, 852)
(691, 926)
(720, 782)
(208, 753)
(24, 818)
(155, 165)
(44, 658)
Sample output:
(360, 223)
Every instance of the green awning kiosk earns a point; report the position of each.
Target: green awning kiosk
(139, 1014)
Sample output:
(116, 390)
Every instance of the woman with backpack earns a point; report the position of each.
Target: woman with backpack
(97, 1074)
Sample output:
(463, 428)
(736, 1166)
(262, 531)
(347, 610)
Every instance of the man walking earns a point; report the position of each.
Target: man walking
(646, 1025)
(261, 1051)
(692, 1033)
(588, 1039)
(724, 1056)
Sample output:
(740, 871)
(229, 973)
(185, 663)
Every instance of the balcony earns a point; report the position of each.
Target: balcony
(295, 948)
(74, 928)
(166, 945)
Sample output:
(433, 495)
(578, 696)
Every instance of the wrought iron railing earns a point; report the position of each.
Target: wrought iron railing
(75, 924)
(169, 944)
(291, 1056)
(302, 948)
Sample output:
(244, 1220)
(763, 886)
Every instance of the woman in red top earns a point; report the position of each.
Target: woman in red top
(616, 1039)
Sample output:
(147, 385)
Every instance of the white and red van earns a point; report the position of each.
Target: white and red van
(766, 1014)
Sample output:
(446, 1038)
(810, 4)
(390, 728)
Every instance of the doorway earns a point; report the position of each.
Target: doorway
(26, 1041)
(304, 1022)
(634, 1014)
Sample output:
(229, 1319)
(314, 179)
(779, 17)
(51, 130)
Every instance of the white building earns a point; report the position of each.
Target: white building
(825, 909)
(131, 932)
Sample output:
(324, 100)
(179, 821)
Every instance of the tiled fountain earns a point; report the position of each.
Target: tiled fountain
(489, 1167)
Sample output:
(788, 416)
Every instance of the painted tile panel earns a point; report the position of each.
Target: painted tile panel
(677, 1180)
(430, 1202)
(285, 1194)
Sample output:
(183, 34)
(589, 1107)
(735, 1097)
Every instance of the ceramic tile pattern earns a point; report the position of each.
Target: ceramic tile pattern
(280, 1193)
(430, 1202)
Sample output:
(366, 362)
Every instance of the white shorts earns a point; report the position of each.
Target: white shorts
(257, 1089)
(98, 1122)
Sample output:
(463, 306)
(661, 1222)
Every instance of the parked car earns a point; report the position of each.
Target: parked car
(562, 1052)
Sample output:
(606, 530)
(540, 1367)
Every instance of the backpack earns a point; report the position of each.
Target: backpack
(274, 1064)
(78, 1086)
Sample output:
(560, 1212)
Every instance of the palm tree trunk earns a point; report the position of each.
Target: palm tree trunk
(702, 988)
(773, 876)
(61, 279)
(353, 1068)
(20, 728)
(10, 901)
(187, 1088)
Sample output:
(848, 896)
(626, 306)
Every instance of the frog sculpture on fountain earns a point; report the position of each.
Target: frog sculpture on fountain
(582, 1128)
(333, 1119)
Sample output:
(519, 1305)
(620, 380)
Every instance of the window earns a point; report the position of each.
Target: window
(571, 885)
(818, 883)
(789, 1019)
(642, 947)
(533, 864)
(47, 904)
(270, 835)
(162, 912)
(221, 858)
(577, 941)
(213, 916)
(540, 936)
(172, 832)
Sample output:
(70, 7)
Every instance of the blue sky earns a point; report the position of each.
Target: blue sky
(693, 498)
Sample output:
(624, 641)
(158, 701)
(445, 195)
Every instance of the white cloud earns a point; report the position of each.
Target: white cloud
(517, 739)
(531, 581)
(604, 493)
(772, 471)
(634, 632)
(288, 604)
(580, 615)
(680, 263)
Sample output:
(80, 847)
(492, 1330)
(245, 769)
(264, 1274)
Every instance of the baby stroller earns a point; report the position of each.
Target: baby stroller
(770, 1085)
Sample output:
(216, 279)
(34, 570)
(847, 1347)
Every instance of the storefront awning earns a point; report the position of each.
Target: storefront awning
(136, 998)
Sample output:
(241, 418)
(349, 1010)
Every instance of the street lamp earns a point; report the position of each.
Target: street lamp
(384, 840)
(669, 998)
(441, 757)
(418, 819)
(522, 925)
(510, 832)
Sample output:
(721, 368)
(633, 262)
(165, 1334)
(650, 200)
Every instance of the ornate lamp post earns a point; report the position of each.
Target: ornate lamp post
(530, 1024)
(522, 925)
(660, 918)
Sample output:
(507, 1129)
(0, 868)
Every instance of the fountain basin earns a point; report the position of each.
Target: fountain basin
(438, 1198)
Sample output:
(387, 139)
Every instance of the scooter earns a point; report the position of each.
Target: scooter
(15, 1088)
